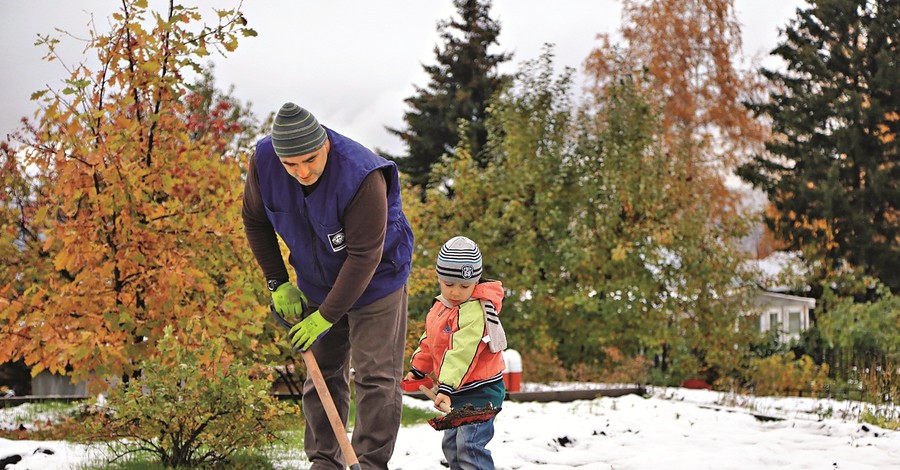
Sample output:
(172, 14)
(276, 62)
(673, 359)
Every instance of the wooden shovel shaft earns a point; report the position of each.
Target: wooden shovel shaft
(428, 393)
(312, 367)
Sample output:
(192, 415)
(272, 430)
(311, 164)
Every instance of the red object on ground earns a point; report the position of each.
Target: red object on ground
(696, 384)
(513, 381)
(413, 385)
(512, 375)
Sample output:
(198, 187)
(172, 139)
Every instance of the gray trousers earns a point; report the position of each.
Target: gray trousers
(372, 339)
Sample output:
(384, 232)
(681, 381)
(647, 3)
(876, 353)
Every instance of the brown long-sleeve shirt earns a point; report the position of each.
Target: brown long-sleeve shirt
(365, 224)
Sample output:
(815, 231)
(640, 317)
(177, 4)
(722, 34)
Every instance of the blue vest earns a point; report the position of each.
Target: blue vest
(312, 226)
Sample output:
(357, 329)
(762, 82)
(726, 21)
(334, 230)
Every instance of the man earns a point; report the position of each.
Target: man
(337, 207)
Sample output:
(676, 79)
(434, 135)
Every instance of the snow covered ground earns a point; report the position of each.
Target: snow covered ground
(674, 429)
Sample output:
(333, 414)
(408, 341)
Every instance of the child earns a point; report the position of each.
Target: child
(463, 349)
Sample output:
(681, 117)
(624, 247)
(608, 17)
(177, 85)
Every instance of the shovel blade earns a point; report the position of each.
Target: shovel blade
(463, 416)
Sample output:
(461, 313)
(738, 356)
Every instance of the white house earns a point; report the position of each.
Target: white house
(786, 314)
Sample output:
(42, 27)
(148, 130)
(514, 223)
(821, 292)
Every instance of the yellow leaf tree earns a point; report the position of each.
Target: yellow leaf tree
(692, 51)
(130, 218)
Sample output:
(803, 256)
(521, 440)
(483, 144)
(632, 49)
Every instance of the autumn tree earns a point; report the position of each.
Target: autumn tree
(831, 168)
(132, 221)
(690, 53)
(20, 233)
(215, 111)
(670, 282)
(691, 50)
(459, 88)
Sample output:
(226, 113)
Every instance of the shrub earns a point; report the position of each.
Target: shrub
(195, 406)
(783, 374)
(542, 367)
(879, 385)
(615, 367)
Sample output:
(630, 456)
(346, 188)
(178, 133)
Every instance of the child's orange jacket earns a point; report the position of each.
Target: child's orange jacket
(454, 344)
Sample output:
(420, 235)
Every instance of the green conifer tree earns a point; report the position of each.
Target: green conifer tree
(461, 83)
(831, 169)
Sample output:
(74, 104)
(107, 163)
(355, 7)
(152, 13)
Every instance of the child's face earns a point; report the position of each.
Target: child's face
(456, 292)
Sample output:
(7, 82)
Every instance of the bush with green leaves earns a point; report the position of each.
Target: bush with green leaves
(196, 405)
(865, 329)
(784, 374)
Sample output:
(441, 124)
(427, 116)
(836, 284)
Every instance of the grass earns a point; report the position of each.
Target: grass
(28, 413)
(289, 447)
(41, 420)
(884, 420)
(242, 461)
(48, 420)
(414, 416)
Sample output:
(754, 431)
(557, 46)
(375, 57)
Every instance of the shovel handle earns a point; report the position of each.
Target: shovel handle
(312, 367)
(428, 393)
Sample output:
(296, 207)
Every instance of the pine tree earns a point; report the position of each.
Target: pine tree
(831, 170)
(461, 84)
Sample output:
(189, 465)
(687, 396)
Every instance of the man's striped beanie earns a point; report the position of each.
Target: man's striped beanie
(296, 132)
(459, 261)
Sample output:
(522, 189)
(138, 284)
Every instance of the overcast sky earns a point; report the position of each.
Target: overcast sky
(350, 62)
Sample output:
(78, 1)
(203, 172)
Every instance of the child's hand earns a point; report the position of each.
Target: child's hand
(409, 376)
(442, 399)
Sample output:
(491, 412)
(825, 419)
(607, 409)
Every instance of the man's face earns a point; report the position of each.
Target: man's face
(307, 168)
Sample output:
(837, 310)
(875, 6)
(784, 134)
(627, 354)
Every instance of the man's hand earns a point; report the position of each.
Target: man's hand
(311, 328)
(289, 301)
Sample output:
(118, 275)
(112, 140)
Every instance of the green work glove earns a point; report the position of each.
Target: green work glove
(310, 329)
(289, 301)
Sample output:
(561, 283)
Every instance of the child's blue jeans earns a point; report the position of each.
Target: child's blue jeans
(464, 447)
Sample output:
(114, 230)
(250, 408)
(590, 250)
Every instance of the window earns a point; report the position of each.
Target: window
(794, 322)
(774, 324)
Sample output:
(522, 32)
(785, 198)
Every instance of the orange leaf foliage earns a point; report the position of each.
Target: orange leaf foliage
(691, 50)
(132, 222)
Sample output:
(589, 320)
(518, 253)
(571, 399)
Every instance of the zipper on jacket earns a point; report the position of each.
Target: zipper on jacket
(444, 309)
(313, 241)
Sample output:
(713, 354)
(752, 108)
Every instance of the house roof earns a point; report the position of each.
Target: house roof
(809, 302)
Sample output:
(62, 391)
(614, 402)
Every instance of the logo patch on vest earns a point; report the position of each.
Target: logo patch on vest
(338, 240)
(467, 271)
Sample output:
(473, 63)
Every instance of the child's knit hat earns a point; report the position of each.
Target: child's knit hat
(459, 261)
